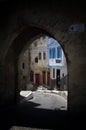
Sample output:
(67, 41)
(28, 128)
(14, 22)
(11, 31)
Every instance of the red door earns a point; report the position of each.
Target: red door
(37, 79)
(48, 78)
(44, 77)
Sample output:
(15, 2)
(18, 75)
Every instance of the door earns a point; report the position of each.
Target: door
(58, 79)
(37, 79)
(44, 77)
(48, 78)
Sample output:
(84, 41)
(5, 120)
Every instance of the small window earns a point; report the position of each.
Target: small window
(23, 65)
(39, 55)
(36, 60)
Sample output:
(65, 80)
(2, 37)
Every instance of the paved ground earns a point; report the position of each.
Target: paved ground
(48, 101)
(26, 116)
(61, 93)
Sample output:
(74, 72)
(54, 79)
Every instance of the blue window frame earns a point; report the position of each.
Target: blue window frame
(59, 52)
(53, 52)
(50, 53)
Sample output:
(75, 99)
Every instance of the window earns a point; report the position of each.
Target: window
(50, 53)
(23, 65)
(39, 55)
(53, 49)
(44, 55)
(59, 52)
(36, 60)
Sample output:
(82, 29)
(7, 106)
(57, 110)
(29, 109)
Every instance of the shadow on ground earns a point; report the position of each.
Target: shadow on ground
(26, 115)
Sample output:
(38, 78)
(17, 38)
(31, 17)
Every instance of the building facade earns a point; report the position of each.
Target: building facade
(38, 62)
(43, 63)
(48, 64)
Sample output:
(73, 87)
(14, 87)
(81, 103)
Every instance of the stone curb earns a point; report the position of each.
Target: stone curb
(26, 97)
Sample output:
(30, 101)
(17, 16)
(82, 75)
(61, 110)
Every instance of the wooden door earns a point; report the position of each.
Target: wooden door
(37, 79)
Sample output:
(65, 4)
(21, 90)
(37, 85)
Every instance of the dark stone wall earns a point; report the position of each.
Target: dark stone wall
(23, 23)
(8, 87)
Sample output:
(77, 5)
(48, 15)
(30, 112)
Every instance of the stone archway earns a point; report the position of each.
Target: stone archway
(57, 22)
(10, 62)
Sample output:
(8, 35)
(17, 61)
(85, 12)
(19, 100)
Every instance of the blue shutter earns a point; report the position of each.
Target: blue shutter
(50, 53)
(54, 52)
(59, 52)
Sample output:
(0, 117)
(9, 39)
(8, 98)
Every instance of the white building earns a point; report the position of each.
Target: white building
(56, 61)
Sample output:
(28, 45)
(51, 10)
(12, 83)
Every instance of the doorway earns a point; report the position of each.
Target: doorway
(58, 78)
(37, 79)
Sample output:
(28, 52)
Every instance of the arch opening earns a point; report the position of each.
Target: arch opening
(45, 74)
